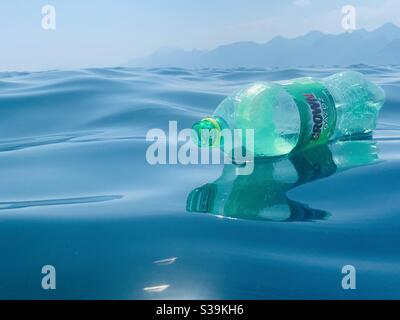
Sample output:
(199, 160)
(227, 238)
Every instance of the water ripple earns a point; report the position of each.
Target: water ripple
(56, 202)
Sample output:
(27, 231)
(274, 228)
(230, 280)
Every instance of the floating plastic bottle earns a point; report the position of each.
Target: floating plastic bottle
(294, 115)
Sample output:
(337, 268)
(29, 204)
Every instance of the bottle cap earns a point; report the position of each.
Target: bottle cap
(207, 132)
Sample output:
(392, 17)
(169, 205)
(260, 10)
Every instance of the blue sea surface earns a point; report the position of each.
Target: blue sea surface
(77, 193)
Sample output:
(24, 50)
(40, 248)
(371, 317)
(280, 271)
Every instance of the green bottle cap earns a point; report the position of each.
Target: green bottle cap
(207, 133)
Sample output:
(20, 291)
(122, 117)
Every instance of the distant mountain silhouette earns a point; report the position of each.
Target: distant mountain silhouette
(378, 47)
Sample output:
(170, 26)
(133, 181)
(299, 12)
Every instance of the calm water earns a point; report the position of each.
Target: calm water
(76, 192)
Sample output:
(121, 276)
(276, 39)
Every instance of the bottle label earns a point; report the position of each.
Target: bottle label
(317, 111)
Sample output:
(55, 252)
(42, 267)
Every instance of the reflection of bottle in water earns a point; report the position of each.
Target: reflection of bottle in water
(262, 195)
(294, 115)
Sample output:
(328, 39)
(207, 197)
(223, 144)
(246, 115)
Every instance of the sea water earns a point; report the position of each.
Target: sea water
(78, 194)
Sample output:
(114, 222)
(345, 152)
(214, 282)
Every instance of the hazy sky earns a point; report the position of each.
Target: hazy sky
(111, 32)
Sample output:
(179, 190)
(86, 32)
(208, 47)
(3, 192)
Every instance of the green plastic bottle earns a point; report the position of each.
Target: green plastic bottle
(294, 115)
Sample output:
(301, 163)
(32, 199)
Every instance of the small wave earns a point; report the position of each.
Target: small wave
(56, 202)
